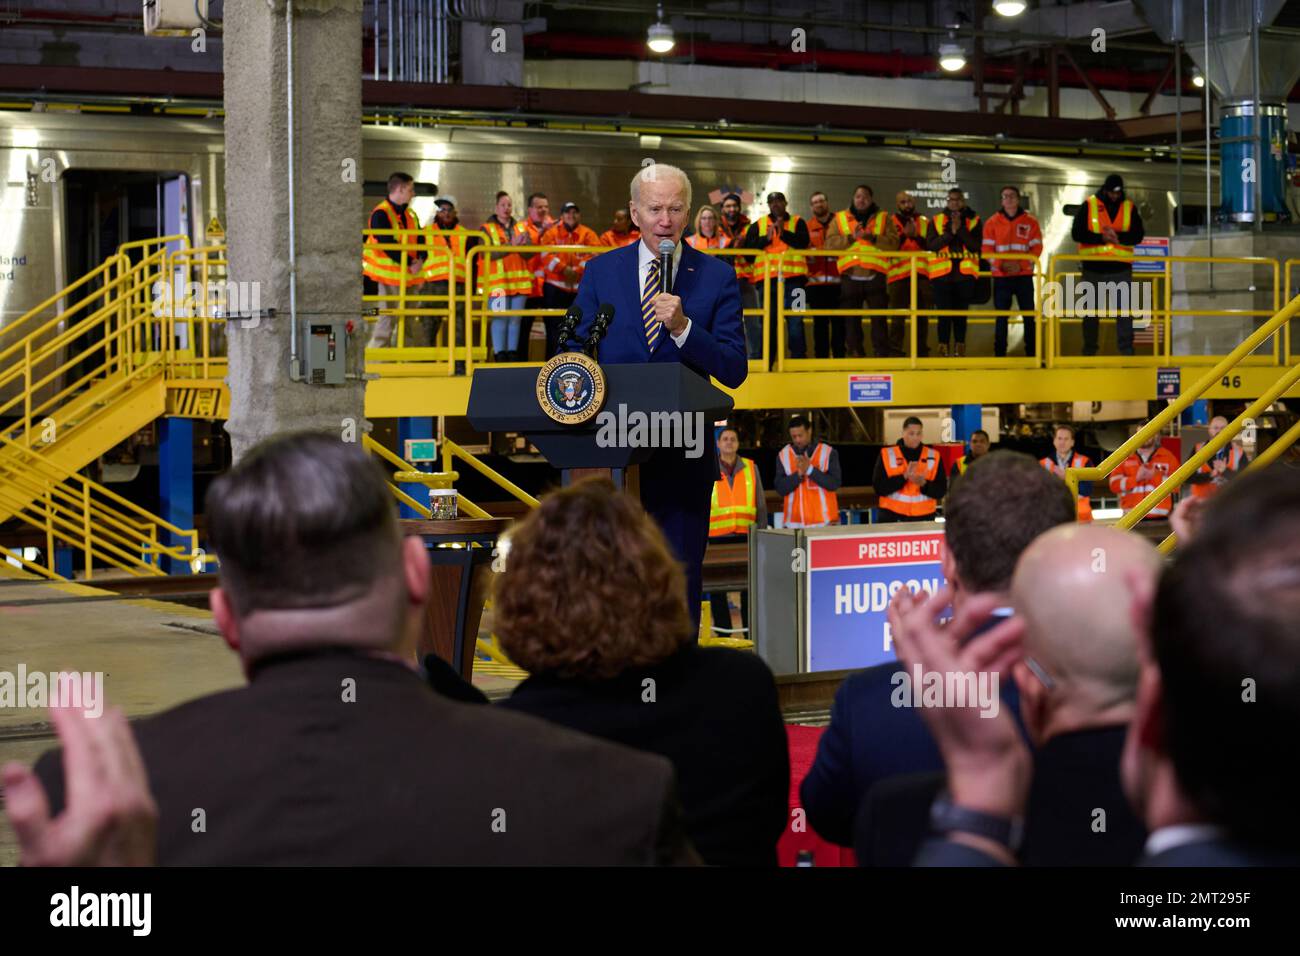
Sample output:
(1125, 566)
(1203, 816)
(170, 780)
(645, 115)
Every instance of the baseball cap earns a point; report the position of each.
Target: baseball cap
(445, 201)
(570, 205)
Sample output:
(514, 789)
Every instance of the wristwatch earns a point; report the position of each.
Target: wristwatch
(948, 817)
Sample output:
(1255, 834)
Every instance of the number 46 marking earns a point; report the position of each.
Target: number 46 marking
(1231, 381)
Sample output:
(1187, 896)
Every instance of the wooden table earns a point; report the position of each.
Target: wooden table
(460, 578)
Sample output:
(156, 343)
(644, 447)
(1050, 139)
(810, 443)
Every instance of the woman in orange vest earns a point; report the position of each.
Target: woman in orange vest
(1067, 457)
(505, 280)
(909, 479)
(622, 233)
(807, 477)
(737, 505)
(707, 235)
(774, 233)
(1219, 469)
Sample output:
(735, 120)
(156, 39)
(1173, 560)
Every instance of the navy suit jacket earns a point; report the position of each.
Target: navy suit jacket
(869, 739)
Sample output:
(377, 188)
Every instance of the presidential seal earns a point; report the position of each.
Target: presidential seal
(571, 388)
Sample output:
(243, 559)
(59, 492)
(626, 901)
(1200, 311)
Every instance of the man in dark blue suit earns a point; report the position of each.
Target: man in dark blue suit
(993, 514)
(698, 324)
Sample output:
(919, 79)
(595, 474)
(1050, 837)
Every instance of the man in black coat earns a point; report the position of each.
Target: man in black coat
(337, 752)
(1107, 227)
(1077, 688)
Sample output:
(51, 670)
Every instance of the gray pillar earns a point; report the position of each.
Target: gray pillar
(264, 401)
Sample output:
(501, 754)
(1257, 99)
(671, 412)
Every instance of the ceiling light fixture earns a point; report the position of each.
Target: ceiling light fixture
(1009, 8)
(952, 57)
(1198, 80)
(659, 38)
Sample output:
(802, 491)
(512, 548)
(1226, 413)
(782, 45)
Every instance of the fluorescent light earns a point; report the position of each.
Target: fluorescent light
(1009, 8)
(952, 57)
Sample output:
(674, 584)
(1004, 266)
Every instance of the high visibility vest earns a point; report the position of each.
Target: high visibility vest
(1099, 219)
(901, 269)
(793, 265)
(862, 253)
(503, 275)
(810, 505)
(941, 262)
(909, 500)
(554, 263)
(618, 240)
(734, 506)
(716, 241)
(385, 265)
(534, 261)
(1206, 489)
(823, 270)
(962, 465)
(1124, 482)
(743, 264)
(1076, 461)
(439, 264)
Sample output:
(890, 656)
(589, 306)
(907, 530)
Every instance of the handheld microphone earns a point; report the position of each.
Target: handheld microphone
(665, 265)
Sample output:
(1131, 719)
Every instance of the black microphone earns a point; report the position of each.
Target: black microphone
(665, 265)
(599, 326)
(568, 325)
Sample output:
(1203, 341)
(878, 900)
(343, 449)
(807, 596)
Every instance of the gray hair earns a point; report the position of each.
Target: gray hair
(651, 172)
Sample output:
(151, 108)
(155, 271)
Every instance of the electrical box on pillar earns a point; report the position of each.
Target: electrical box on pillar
(326, 352)
(169, 18)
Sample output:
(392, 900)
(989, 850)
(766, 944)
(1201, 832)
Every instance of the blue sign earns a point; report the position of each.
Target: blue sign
(1168, 382)
(871, 388)
(1154, 248)
(851, 579)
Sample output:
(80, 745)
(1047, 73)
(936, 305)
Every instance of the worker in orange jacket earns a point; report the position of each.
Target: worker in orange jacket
(1141, 473)
(622, 233)
(1012, 231)
(528, 232)
(563, 270)
(1219, 469)
(909, 480)
(1067, 457)
(807, 476)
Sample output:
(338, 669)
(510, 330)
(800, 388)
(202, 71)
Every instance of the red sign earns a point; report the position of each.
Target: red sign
(875, 549)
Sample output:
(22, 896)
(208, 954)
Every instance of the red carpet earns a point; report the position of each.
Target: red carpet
(803, 750)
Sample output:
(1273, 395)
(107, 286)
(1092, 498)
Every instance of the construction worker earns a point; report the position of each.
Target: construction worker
(824, 282)
(1142, 473)
(383, 266)
(909, 479)
(774, 233)
(864, 228)
(528, 232)
(1066, 457)
(733, 225)
(738, 504)
(1107, 227)
(1225, 464)
(706, 234)
(913, 229)
(1011, 230)
(563, 270)
(808, 476)
(622, 233)
(448, 242)
(505, 280)
(978, 448)
(955, 242)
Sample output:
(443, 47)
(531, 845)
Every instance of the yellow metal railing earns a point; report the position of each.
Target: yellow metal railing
(1284, 383)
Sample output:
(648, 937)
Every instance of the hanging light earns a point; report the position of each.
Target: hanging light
(1198, 79)
(952, 57)
(1009, 8)
(659, 38)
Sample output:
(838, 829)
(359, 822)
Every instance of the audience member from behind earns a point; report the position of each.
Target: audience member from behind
(1218, 697)
(1004, 501)
(592, 605)
(336, 752)
(1077, 683)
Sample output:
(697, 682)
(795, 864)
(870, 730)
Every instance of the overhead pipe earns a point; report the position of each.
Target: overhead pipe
(294, 372)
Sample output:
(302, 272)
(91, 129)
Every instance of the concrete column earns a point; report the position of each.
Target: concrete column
(328, 210)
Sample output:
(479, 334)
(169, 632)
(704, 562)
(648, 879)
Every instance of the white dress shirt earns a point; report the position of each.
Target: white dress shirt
(644, 257)
(1166, 838)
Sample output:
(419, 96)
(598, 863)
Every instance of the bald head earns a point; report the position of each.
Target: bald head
(1217, 424)
(1072, 588)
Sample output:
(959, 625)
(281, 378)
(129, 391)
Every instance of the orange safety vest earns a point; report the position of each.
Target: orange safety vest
(440, 263)
(385, 265)
(1099, 219)
(534, 261)
(1208, 488)
(822, 270)
(901, 269)
(793, 266)
(862, 253)
(611, 238)
(810, 505)
(1123, 481)
(743, 264)
(554, 263)
(734, 506)
(909, 500)
(1076, 461)
(719, 241)
(941, 263)
(503, 275)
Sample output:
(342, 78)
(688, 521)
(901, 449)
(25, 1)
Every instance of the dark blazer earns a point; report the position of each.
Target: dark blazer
(1074, 774)
(715, 715)
(869, 739)
(287, 772)
(675, 490)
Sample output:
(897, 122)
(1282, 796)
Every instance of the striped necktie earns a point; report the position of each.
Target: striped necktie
(653, 327)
